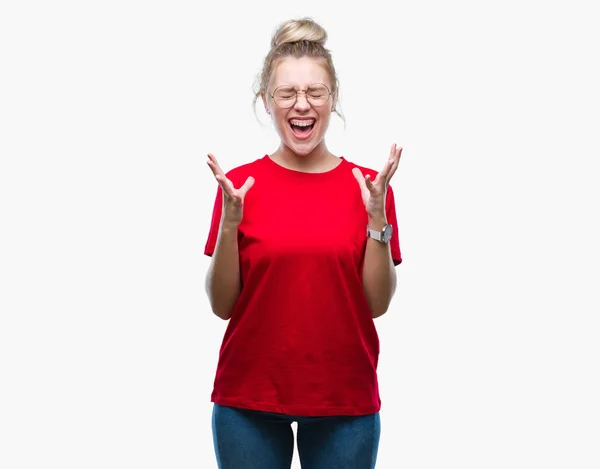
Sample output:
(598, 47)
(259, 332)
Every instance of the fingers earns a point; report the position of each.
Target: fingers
(223, 181)
(214, 164)
(219, 174)
(370, 185)
(384, 173)
(390, 165)
(226, 185)
(229, 190)
(365, 182)
(395, 162)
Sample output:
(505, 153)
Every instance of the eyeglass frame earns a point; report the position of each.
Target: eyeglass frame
(329, 93)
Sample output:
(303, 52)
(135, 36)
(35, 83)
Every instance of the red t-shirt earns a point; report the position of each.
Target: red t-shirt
(301, 339)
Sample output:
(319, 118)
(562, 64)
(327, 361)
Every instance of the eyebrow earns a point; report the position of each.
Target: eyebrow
(290, 87)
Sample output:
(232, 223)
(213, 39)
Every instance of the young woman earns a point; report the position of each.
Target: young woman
(303, 247)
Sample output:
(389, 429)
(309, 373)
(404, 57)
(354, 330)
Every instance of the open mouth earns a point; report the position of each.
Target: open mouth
(302, 128)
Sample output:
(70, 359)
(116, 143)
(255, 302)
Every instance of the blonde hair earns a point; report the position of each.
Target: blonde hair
(298, 38)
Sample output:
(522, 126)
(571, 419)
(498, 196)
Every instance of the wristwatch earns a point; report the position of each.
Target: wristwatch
(382, 236)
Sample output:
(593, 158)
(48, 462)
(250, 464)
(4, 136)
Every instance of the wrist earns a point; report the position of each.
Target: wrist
(383, 234)
(377, 222)
(229, 227)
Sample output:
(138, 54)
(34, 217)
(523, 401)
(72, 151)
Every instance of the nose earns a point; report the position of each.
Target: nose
(301, 103)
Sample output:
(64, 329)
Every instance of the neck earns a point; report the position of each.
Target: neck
(318, 160)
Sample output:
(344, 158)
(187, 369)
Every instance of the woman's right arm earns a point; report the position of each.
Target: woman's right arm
(222, 282)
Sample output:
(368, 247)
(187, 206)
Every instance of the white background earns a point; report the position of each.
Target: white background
(490, 351)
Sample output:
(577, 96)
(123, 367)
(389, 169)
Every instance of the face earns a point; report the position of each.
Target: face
(291, 123)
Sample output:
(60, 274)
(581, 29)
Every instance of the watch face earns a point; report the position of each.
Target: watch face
(387, 233)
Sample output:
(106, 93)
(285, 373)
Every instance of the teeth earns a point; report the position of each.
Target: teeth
(302, 123)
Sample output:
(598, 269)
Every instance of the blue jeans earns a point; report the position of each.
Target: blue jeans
(250, 439)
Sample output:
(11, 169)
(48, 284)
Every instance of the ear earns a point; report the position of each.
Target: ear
(264, 99)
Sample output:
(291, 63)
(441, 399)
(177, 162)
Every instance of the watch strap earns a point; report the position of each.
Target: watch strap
(377, 235)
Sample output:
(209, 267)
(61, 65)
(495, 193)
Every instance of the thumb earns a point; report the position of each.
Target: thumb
(247, 185)
(359, 177)
(369, 183)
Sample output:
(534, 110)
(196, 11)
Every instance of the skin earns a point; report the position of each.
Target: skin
(379, 274)
(311, 155)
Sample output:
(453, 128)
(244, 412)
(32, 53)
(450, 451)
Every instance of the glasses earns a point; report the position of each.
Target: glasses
(285, 96)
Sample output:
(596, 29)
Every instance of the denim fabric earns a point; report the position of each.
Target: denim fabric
(250, 439)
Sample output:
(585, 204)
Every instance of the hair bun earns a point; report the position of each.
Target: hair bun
(304, 29)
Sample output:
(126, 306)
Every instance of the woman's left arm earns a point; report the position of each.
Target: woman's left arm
(379, 274)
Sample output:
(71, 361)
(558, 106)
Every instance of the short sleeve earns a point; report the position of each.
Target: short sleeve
(215, 222)
(390, 209)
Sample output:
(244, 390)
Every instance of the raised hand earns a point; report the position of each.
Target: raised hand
(374, 192)
(233, 199)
